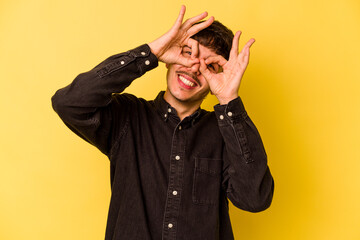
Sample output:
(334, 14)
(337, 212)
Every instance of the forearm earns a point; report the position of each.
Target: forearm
(86, 105)
(247, 178)
(94, 88)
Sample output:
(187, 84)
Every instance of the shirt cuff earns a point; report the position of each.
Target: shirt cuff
(146, 60)
(141, 56)
(230, 113)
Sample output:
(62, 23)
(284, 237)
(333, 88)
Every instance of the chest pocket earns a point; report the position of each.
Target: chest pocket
(207, 179)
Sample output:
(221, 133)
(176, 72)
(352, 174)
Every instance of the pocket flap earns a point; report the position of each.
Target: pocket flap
(208, 165)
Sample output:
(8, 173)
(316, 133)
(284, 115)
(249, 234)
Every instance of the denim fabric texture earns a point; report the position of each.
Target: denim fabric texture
(170, 179)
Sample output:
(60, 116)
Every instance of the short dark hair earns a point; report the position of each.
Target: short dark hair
(217, 37)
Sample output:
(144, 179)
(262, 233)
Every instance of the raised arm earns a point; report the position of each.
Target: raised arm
(246, 176)
(87, 105)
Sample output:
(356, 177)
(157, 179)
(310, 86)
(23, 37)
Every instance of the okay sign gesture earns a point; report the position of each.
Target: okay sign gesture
(168, 47)
(225, 85)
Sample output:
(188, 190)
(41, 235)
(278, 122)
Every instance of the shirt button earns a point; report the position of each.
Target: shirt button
(170, 225)
(177, 157)
(169, 109)
(143, 53)
(174, 193)
(165, 115)
(179, 127)
(229, 114)
(221, 117)
(147, 62)
(122, 62)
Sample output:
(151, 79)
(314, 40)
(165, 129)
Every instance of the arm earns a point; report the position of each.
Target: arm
(87, 106)
(246, 177)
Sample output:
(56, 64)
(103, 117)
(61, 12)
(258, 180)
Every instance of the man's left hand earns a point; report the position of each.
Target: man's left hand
(225, 85)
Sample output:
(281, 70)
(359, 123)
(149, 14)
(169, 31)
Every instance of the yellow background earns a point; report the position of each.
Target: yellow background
(301, 90)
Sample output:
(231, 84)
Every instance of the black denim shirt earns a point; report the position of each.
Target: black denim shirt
(170, 179)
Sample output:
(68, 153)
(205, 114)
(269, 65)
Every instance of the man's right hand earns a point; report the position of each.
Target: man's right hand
(168, 48)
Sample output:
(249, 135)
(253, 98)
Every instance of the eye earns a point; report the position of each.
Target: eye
(186, 53)
(210, 66)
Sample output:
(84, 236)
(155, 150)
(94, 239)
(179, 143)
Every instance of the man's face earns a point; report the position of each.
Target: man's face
(186, 84)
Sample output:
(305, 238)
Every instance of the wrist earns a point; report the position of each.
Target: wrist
(224, 100)
(154, 49)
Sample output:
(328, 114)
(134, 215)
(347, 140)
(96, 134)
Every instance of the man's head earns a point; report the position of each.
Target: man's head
(186, 84)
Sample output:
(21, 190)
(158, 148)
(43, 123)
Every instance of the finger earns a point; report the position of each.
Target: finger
(248, 44)
(216, 59)
(200, 26)
(245, 52)
(180, 18)
(189, 22)
(204, 70)
(235, 45)
(246, 57)
(194, 45)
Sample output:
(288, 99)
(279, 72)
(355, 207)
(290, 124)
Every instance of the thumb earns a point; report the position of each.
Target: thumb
(205, 71)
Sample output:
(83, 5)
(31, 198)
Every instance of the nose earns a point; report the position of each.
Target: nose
(195, 69)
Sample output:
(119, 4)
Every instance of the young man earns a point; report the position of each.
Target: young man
(173, 164)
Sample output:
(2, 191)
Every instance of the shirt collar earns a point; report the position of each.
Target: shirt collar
(167, 112)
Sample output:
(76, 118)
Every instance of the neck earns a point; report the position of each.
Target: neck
(183, 108)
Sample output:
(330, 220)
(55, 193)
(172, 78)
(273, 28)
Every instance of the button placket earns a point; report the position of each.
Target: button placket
(172, 206)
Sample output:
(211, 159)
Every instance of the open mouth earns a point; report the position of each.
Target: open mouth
(186, 82)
